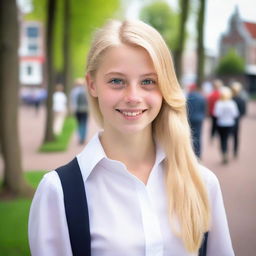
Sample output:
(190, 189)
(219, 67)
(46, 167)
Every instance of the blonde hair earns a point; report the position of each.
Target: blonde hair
(217, 84)
(187, 195)
(236, 88)
(225, 93)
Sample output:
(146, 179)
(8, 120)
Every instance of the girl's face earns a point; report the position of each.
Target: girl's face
(127, 89)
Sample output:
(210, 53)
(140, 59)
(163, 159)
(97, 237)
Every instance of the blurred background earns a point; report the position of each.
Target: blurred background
(44, 115)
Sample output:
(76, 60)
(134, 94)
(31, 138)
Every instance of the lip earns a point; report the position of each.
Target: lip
(131, 114)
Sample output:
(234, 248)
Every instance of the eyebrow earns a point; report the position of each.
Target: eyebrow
(122, 74)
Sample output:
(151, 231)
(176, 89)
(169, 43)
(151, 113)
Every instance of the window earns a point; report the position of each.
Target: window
(32, 49)
(29, 70)
(32, 32)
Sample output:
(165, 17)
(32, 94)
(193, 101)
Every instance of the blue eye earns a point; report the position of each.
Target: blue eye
(148, 82)
(116, 81)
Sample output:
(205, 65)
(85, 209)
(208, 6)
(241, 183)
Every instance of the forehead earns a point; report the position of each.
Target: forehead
(126, 58)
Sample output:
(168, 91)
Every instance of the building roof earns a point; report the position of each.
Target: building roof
(251, 27)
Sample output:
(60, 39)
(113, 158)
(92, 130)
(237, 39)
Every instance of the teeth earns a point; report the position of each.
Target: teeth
(131, 113)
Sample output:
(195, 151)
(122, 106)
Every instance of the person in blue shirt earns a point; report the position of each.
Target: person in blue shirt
(197, 107)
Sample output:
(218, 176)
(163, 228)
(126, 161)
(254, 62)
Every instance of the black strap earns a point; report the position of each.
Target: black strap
(76, 208)
(203, 248)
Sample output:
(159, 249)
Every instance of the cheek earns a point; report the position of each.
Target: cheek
(155, 100)
(107, 100)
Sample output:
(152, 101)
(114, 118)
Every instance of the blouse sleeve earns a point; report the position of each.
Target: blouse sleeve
(219, 241)
(47, 229)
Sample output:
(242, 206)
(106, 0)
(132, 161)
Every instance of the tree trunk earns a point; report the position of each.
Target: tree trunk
(50, 76)
(13, 181)
(67, 81)
(200, 44)
(184, 7)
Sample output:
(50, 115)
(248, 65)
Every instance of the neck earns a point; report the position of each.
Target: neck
(136, 151)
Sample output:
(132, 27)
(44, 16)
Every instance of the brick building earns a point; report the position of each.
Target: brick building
(241, 36)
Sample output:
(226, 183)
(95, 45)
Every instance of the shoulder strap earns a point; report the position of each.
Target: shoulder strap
(203, 248)
(76, 213)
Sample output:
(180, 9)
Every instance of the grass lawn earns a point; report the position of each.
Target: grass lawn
(62, 141)
(14, 221)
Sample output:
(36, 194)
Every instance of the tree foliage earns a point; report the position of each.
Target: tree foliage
(231, 64)
(164, 19)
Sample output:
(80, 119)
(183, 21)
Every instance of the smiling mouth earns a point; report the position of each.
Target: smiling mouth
(131, 113)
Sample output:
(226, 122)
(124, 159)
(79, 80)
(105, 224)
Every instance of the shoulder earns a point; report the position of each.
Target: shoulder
(50, 185)
(210, 179)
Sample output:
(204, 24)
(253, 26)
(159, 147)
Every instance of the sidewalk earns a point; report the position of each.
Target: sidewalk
(237, 179)
(238, 183)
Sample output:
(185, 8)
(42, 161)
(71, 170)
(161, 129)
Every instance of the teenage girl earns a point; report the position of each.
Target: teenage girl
(147, 194)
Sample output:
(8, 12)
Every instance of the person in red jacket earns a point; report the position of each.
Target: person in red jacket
(212, 99)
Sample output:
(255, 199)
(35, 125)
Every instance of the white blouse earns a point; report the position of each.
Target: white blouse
(225, 111)
(127, 217)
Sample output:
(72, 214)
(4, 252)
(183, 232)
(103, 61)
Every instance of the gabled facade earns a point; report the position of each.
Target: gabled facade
(241, 36)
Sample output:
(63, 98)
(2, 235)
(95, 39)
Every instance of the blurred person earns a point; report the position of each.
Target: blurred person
(79, 106)
(207, 88)
(38, 98)
(226, 112)
(59, 109)
(241, 104)
(197, 107)
(144, 191)
(212, 99)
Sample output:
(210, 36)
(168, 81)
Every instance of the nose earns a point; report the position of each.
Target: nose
(132, 94)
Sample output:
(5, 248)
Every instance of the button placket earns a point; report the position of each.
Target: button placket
(153, 237)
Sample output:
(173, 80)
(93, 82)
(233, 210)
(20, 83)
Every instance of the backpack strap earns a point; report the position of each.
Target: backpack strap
(203, 248)
(76, 213)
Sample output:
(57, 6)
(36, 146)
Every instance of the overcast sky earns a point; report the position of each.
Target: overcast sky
(217, 16)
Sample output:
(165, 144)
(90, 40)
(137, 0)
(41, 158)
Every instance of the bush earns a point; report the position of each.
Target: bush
(231, 64)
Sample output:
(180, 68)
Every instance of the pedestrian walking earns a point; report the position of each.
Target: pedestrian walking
(59, 109)
(79, 106)
(212, 99)
(146, 193)
(241, 105)
(226, 112)
(197, 108)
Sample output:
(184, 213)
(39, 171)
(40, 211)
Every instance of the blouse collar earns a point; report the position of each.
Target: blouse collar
(93, 154)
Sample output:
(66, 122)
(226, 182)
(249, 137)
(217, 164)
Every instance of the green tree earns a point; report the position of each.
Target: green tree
(231, 64)
(200, 43)
(13, 181)
(184, 11)
(164, 19)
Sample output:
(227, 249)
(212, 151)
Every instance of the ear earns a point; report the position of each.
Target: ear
(90, 81)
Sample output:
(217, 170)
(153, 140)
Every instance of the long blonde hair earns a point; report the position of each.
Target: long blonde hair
(187, 194)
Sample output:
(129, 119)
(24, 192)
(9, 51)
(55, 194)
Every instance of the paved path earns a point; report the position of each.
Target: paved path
(238, 178)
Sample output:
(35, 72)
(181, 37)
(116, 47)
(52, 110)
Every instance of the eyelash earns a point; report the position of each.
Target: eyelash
(114, 81)
(119, 81)
(151, 82)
